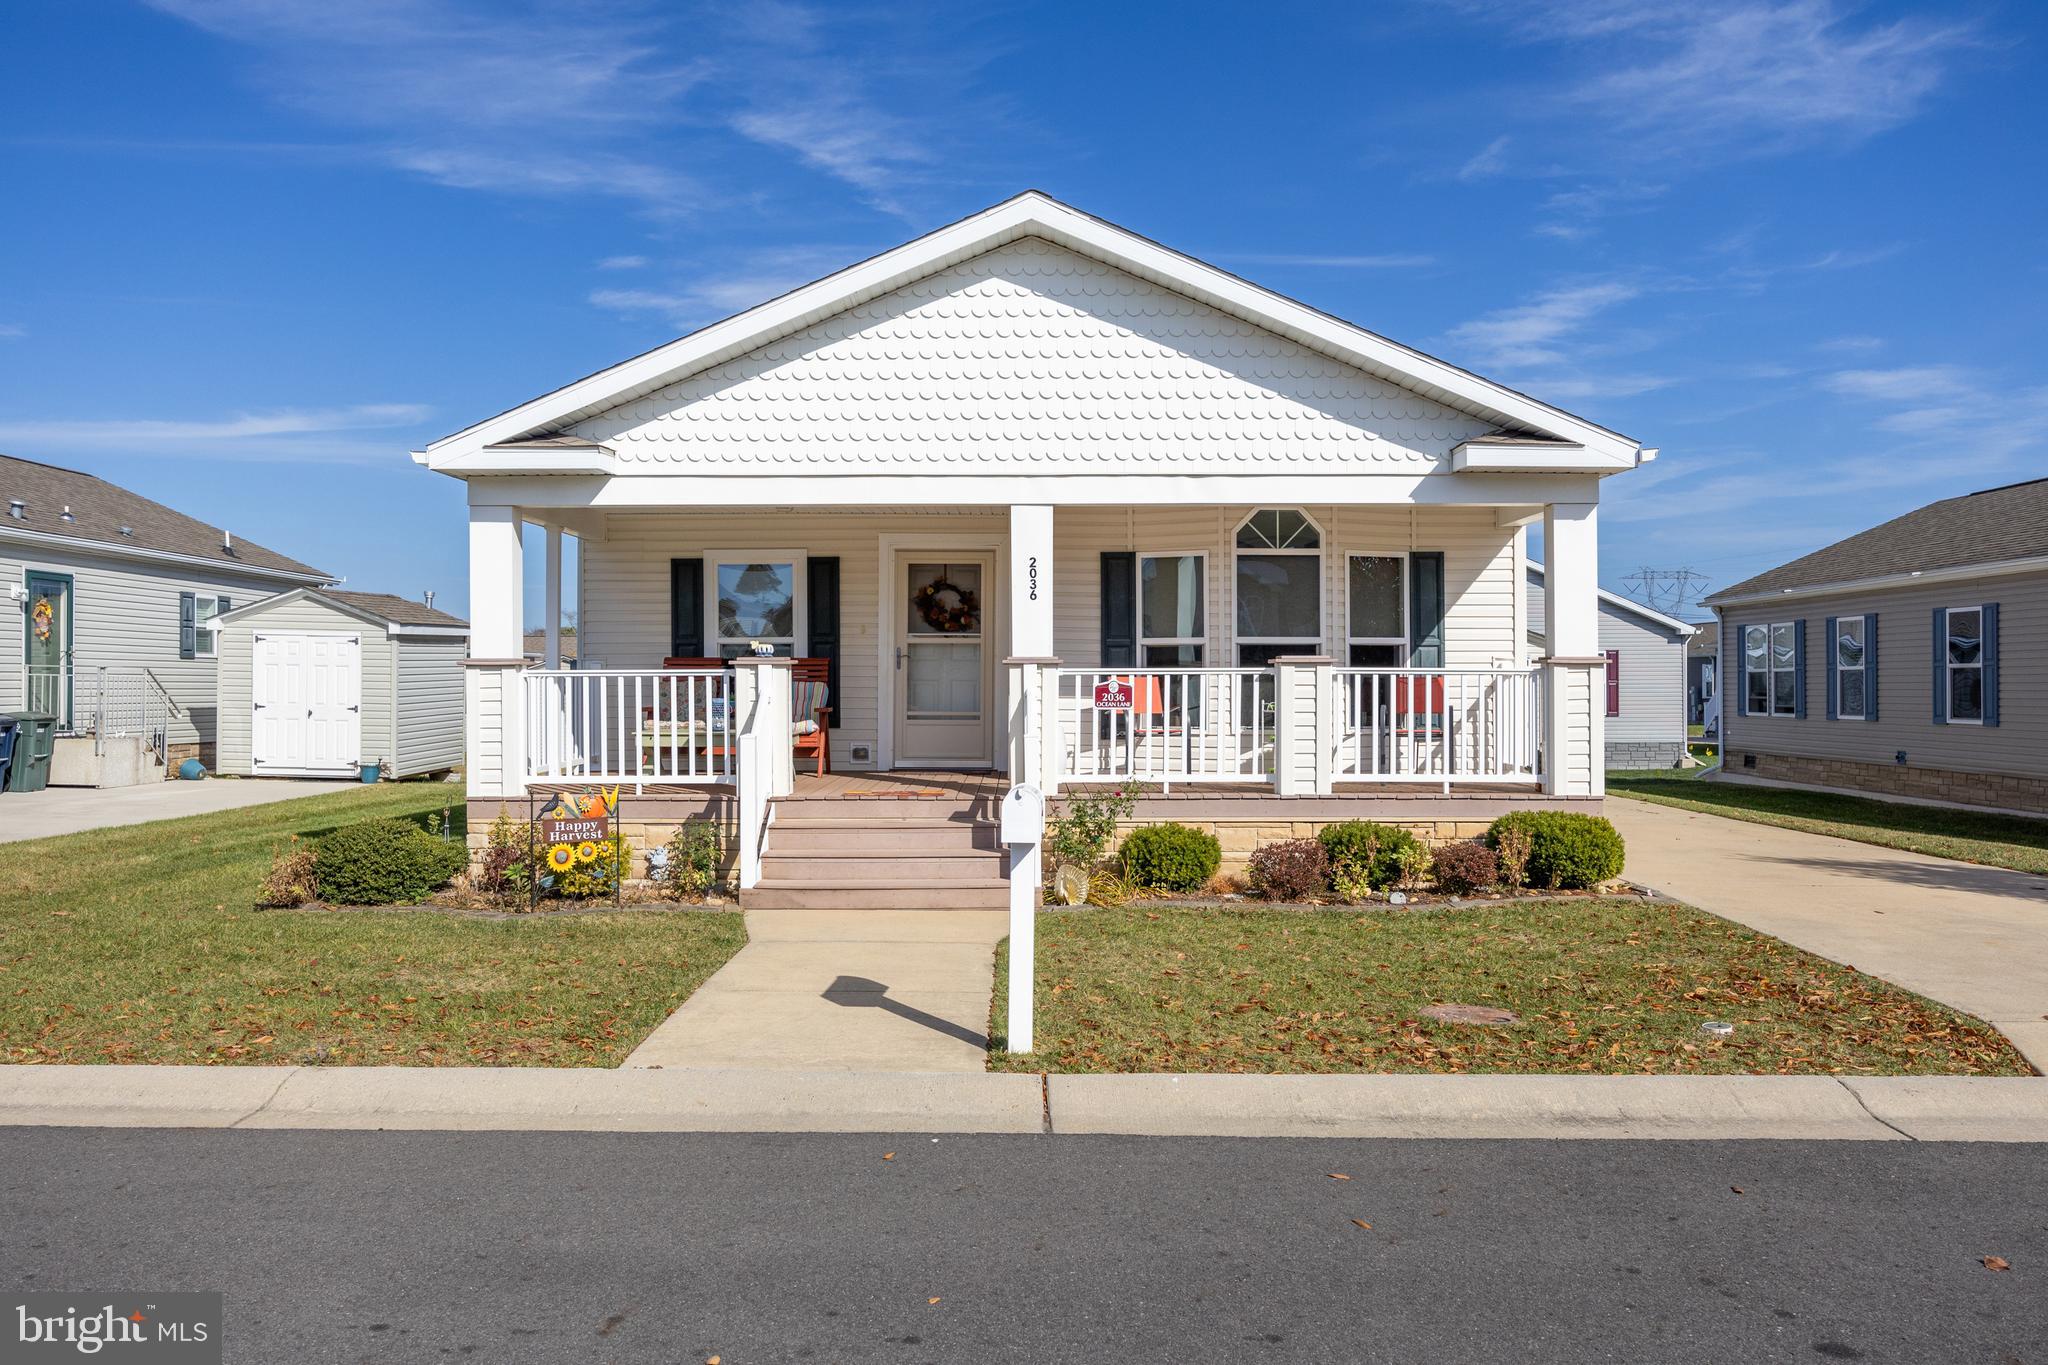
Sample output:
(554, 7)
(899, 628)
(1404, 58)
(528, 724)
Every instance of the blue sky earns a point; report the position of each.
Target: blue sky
(256, 250)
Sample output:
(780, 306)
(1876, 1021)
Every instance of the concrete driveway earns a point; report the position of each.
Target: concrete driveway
(68, 810)
(1972, 937)
(842, 990)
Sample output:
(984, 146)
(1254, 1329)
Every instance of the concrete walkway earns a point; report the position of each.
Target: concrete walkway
(68, 810)
(842, 990)
(1972, 937)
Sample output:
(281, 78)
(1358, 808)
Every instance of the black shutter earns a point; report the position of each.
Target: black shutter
(823, 611)
(1426, 609)
(188, 625)
(1119, 609)
(686, 608)
(1832, 643)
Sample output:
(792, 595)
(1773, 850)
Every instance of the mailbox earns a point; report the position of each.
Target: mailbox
(1023, 815)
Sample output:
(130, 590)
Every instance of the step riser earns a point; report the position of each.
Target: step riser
(879, 871)
(857, 898)
(886, 808)
(786, 836)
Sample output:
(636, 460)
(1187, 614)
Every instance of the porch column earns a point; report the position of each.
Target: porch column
(1031, 581)
(1025, 718)
(494, 686)
(554, 598)
(1573, 739)
(1302, 749)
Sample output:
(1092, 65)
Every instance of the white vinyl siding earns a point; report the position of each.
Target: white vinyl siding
(127, 618)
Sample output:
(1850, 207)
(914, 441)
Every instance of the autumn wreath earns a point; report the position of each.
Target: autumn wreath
(44, 615)
(949, 616)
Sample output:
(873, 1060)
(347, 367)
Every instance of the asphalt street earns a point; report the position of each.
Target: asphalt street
(510, 1247)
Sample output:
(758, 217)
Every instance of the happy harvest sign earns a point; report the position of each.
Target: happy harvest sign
(579, 817)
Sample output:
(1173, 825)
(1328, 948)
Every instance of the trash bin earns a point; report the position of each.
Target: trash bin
(34, 737)
(8, 726)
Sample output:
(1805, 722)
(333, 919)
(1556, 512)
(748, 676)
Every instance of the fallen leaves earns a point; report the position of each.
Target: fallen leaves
(932, 1300)
(1335, 1176)
(1362, 1223)
(888, 1156)
(1995, 1263)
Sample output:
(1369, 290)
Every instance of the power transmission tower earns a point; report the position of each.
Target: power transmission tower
(1670, 591)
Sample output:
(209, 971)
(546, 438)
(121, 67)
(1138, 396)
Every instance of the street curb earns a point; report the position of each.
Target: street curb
(1883, 1109)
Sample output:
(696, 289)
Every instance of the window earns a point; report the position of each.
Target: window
(206, 640)
(755, 600)
(1852, 688)
(1965, 663)
(1376, 610)
(1770, 656)
(1279, 587)
(1171, 626)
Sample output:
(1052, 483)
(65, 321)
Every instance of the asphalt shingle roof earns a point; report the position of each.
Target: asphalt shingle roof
(99, 511)
(391, 607)
(1978, 528)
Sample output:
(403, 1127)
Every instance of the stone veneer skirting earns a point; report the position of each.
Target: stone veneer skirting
(2008, 790)
(1627, 754)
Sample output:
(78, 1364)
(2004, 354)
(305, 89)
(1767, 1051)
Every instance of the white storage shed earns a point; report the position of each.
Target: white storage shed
(320, 682)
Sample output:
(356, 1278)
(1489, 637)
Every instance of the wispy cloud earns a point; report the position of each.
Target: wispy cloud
(1908, 384)
(752, 278)
(318, 434)
(622, 263)
(12, 331)
(1850, 345)
(1489, 160)
(1530, 334)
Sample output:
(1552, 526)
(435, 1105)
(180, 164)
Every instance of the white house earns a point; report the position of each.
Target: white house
(1037, 497)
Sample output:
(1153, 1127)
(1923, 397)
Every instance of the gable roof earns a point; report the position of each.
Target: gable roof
(394, 613)
(126, 523)
(1996, 526)
(1532, 433)
(1629, 606)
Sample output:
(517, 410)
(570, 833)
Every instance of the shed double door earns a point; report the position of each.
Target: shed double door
(307, 694)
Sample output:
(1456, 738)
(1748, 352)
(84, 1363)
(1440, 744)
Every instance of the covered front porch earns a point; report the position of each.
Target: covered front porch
(1246, 665)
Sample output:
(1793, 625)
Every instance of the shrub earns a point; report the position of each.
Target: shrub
(1108, 890)
(1511, 845)
(1081, 833)
(1171, 857)
(1464, 867)
(1566, 850)
(384, 862)
(1374, 849)
(290, 881)
(1349, 881)
(1411, 866)
(1291, 870)
(505, 867)
(586, 878)
(695, 854)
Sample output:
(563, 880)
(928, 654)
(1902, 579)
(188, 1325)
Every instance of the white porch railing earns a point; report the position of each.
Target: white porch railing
(1437, 725)
(609, 725)
(1180, 725)
(103, 703)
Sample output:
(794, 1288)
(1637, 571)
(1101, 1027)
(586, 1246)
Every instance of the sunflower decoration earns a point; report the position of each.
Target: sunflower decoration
(44, 616)
(947, 607)
(586, 852)
(562, 857)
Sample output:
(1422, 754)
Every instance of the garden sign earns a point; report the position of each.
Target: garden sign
(579, 828)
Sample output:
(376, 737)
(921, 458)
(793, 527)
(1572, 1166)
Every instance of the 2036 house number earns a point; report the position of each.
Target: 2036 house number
(1031, 573)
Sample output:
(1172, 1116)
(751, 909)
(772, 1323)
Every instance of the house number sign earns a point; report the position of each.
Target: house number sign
(1113, 695)
(1032, 574)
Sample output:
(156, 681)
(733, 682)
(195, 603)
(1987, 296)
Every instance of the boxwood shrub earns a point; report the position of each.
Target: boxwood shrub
(1171, 857)
(1566, 850)
(384, 862)
(1376, 848)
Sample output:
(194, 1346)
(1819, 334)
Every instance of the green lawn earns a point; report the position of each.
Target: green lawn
(1994, 840)
(141, 944)
(1607, 986)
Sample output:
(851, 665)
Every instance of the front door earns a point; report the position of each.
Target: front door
(307, 692)
(943, 672)
(50, 630)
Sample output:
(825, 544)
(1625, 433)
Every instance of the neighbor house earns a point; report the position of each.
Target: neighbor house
(1032, 498)
(1702, 670)
(1643, 688)
(118, 598)
(1910, 660)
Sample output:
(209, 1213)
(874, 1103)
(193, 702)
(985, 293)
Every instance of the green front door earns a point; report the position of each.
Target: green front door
(49, 629)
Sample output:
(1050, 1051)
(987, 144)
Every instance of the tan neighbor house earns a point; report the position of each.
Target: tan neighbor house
(1033, 498)
(1907, 660)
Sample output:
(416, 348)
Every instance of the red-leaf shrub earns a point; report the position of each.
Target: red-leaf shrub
(1464, 867)
(1291, 870)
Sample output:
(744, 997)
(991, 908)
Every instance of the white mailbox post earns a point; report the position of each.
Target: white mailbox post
(1023, 830)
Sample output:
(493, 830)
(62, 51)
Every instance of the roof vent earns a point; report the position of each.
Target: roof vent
(428, 597)
(227, 542)
(128, 530)
(17, 509)
(65, 515)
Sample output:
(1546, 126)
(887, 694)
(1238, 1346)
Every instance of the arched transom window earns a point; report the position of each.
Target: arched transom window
(1279, 584)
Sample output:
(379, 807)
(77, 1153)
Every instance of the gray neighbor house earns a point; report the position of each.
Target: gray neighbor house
(1646, 677)
(1910, 660)
(114, 601)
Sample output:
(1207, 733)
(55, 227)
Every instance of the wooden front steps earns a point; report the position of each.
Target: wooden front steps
(852, 853)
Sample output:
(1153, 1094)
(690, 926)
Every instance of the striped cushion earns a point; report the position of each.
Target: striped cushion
(805, 700)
